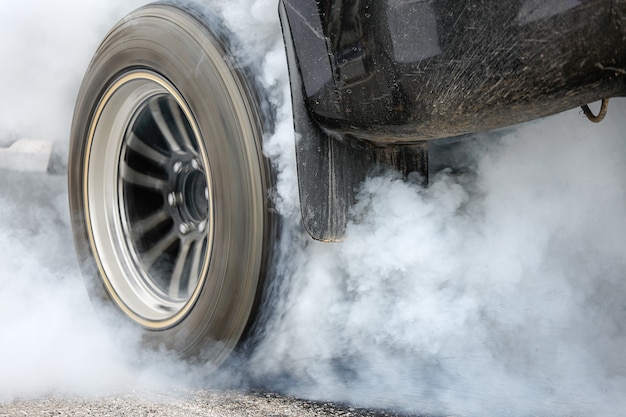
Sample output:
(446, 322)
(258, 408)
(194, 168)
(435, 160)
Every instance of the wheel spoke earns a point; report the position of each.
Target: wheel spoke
(178, 119)
(163, 126)
(159, 248)
(140, 146)
(174, 290)
(149, 223)
(131, 176)
(196, 264)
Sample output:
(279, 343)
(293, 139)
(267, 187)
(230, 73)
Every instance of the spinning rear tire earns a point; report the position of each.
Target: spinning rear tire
(168, 184)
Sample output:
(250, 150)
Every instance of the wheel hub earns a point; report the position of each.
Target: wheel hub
(187, 196)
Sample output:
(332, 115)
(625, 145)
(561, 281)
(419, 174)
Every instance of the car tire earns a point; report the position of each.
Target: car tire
(168, 185)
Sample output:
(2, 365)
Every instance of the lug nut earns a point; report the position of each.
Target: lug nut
(185, 228)
(195, 164)
(173, 199)
(178, 166)
(202, 227)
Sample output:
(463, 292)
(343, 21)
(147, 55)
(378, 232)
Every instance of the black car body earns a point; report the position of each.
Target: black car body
(374, 80)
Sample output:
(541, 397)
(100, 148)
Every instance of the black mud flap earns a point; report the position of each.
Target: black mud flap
(331, 169)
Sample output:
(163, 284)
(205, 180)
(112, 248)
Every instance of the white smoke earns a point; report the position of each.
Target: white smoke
(501, 292)
(45, 48)
(51, 341)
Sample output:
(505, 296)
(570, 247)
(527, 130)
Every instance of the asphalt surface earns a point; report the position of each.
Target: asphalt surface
(197, 403)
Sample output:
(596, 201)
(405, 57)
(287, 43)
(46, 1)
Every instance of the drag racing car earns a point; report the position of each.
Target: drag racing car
(169, 186)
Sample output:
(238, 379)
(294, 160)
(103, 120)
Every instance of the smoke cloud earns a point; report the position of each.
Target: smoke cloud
(46, 47)
(496, 291)
(499, 292)
(51, 341)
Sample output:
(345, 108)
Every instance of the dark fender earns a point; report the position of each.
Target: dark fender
(373, 80)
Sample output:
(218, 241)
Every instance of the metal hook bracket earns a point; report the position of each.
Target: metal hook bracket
(600, 116)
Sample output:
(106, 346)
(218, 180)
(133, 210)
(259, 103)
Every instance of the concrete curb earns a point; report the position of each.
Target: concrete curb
(26, 155)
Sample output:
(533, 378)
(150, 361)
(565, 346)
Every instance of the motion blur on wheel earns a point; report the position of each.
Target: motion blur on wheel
(168, 183)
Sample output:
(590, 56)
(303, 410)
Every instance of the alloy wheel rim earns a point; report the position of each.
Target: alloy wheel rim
(148, 199)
